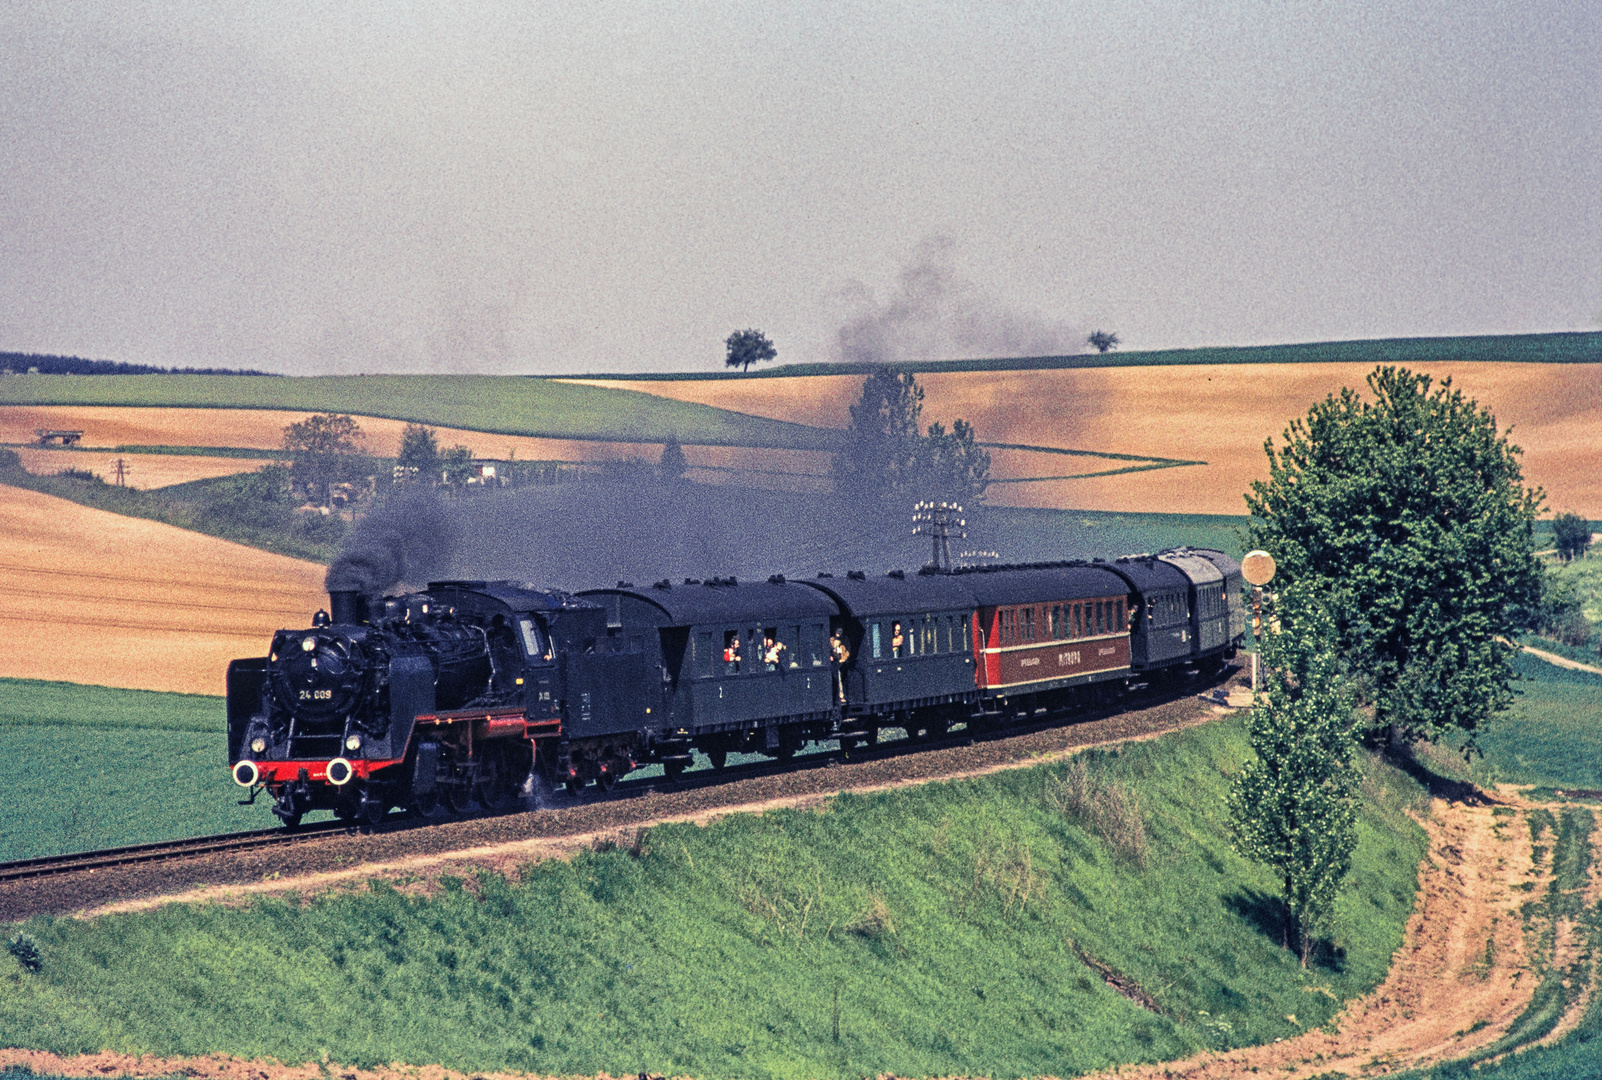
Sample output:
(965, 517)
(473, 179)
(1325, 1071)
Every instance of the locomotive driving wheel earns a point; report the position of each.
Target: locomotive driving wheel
(458, 798)
(496, 784)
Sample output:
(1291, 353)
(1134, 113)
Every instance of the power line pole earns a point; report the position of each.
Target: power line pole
(940, 522)
(119, 469)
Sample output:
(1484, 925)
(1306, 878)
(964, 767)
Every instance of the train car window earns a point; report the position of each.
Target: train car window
(731, 652)
(815, 644)
(1029, 624)
(898, 640)
(1123, 618)
(931, 633)
(792, 639)
(532, 644)
(1078, 618)
(878, 650)
(964, 620)
(775, 652)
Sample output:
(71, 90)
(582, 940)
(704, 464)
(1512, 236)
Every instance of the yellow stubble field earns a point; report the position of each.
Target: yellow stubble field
(1217, 413)
(119, 601)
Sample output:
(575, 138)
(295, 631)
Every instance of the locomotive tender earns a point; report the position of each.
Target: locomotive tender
(456, 693)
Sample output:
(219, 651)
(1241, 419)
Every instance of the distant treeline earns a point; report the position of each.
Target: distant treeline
(23, 363)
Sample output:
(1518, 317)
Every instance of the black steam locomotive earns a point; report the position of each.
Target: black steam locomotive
(456, 693)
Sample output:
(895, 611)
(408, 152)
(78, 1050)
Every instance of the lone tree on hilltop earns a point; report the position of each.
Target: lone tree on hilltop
(321, 446)
(1410, 515)
(747, 347)
(886, 453)
(1293, 807)
(1573, 534)
(1102, 340)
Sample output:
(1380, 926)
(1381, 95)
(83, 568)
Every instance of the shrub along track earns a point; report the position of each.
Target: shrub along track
(504, 842)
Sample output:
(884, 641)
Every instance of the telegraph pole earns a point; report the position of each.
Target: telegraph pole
(940, 522)
(119, 469)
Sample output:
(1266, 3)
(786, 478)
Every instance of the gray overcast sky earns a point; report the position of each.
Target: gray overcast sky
(344, 186)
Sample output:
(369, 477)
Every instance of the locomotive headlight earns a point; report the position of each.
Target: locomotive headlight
(308, 643)
(354, 742)
(258, 744)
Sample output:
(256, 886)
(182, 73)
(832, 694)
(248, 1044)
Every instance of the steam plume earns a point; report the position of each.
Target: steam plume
(936, 314)
(410, 537)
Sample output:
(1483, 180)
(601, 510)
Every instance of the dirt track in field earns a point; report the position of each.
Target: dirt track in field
(117, 601)
(1216, 413)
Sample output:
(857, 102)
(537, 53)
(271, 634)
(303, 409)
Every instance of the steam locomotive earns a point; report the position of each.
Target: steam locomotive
(459, 693)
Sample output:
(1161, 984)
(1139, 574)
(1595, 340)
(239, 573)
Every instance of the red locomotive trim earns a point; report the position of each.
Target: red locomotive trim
(281, 772)
(495, 723)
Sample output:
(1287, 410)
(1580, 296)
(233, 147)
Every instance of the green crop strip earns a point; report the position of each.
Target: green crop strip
(1584, 347)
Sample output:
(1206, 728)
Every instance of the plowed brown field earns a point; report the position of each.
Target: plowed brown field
(1216, 413)
(117, 601)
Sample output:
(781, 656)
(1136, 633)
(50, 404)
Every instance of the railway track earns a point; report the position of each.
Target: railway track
(173, 849)
(546, 797)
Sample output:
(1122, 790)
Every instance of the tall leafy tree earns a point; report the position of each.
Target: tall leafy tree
(419, 450)
(954, 465)
(1411, 513)
(1573, 535)
(1294, 806)
(747, 347)
(883, 448)
(887, 454)
(321, 446)
(456, 465)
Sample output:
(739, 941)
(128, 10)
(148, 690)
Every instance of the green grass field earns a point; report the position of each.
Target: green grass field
(500, 405)
(85, 767)
(948, 921)
(1552, 737)
(1569, 348)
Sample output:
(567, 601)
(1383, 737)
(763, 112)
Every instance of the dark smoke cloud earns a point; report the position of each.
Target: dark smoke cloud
(935, 314)
(583, 535)
(409, 537)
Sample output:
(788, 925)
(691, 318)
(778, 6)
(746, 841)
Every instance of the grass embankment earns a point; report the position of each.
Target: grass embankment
(1584, 347)
(495, 404)
(85, 767)
(954, 928)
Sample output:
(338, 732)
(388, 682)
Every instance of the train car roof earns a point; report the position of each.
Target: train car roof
(1227, 565)
(992, 585)
(1196, 566)
(1148, 573)
(519, 596)
(721, 600)
(889, 594)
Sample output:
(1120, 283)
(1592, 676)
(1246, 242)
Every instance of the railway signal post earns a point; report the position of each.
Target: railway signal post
(1257, 567)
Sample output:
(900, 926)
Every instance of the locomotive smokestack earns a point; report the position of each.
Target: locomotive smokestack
(347, 606)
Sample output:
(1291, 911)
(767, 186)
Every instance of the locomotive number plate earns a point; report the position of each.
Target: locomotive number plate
(316, 695)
